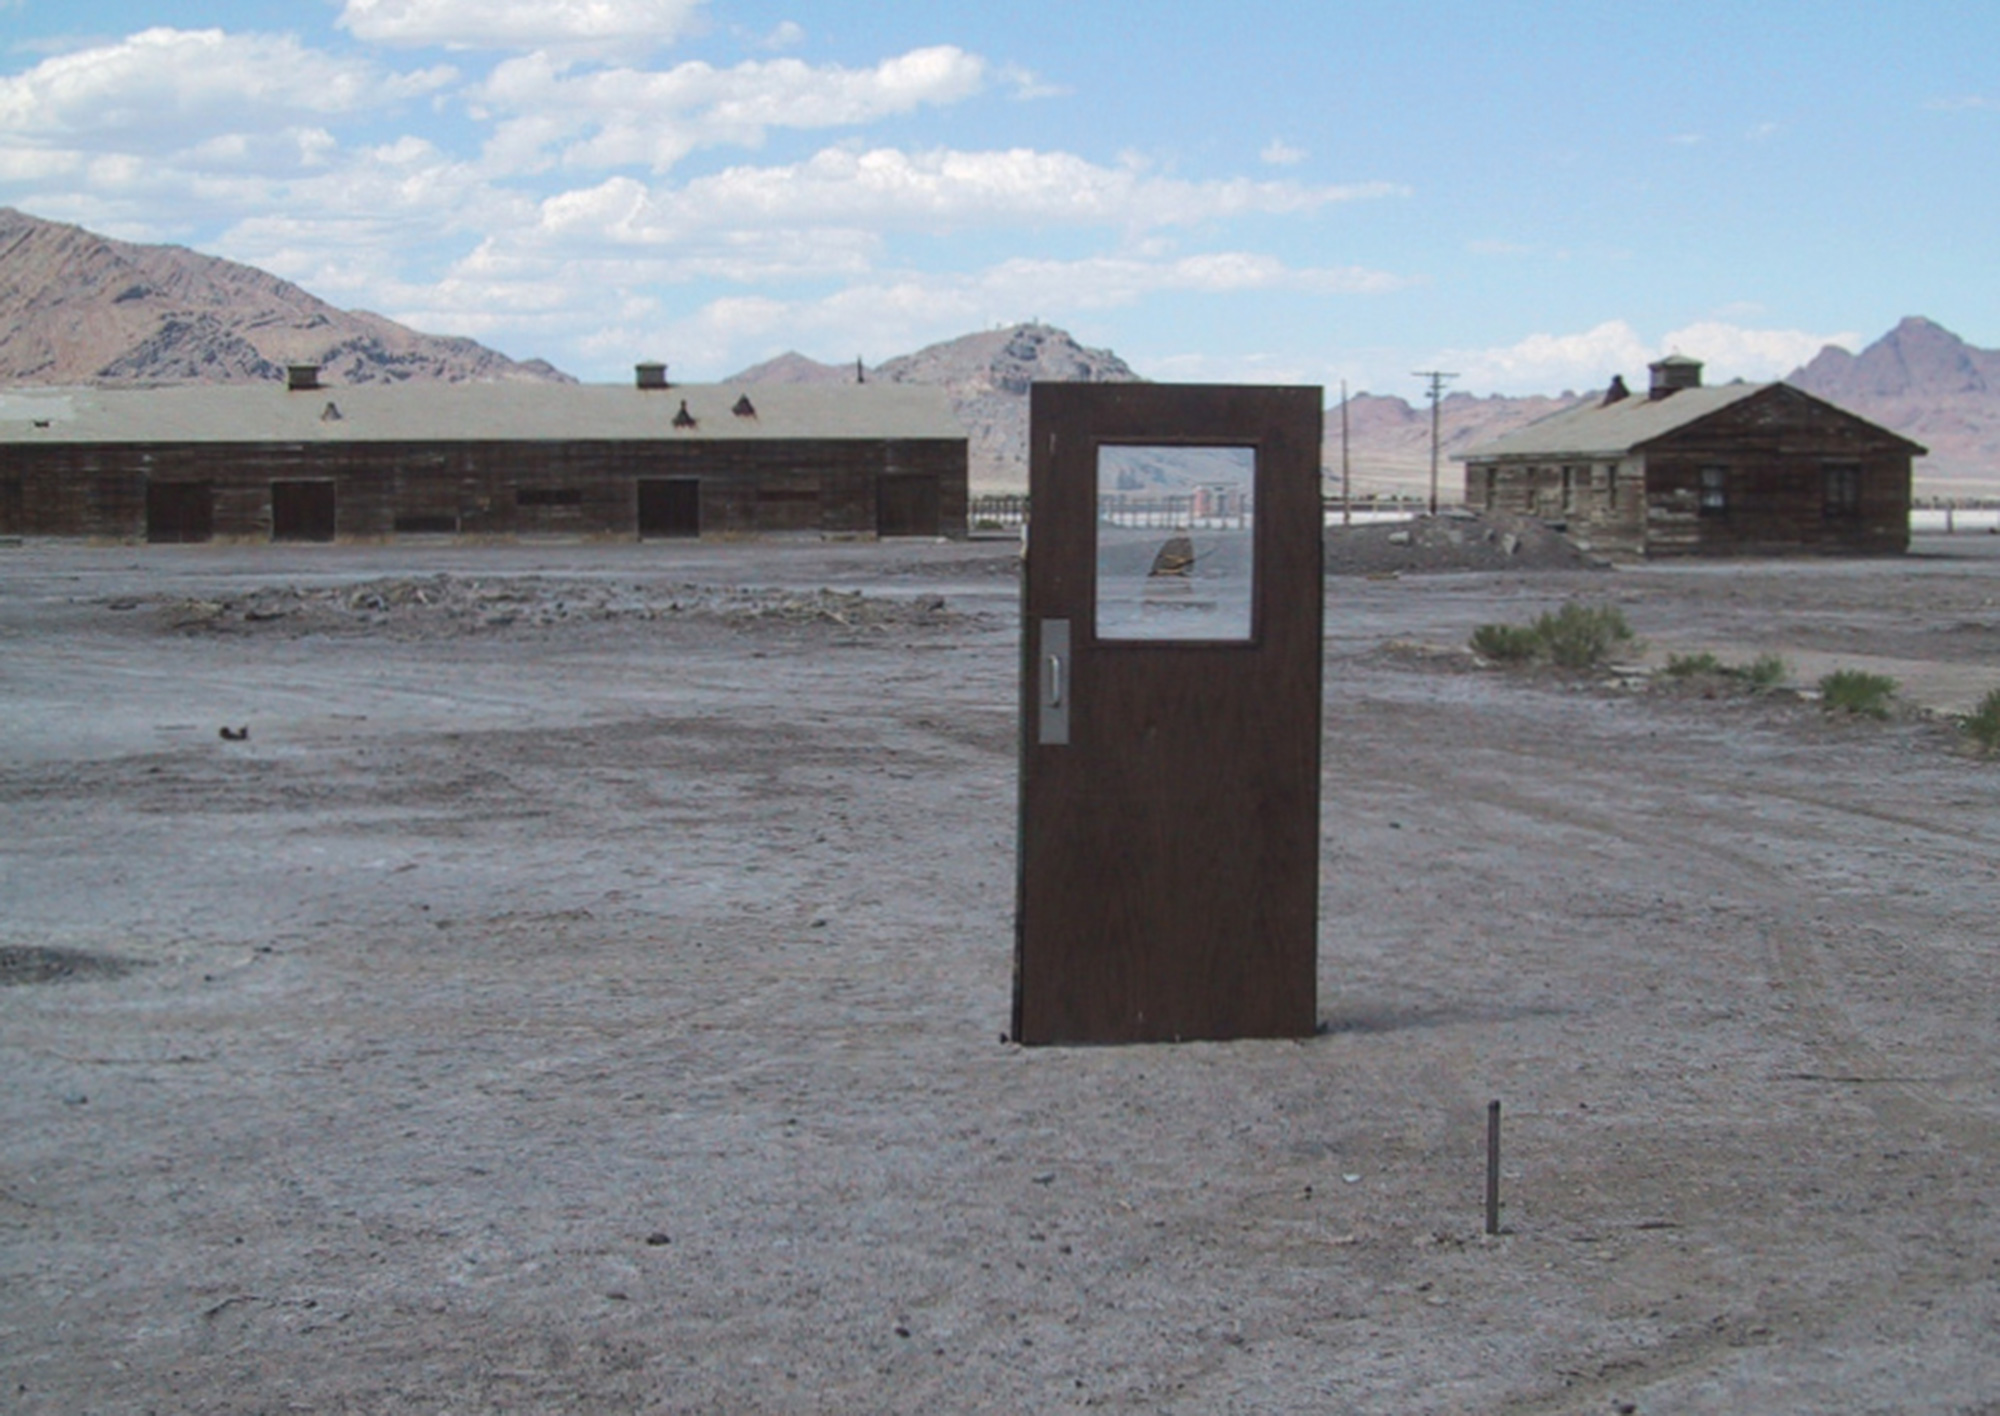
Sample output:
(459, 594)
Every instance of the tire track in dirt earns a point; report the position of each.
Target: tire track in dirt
(1906, 1106)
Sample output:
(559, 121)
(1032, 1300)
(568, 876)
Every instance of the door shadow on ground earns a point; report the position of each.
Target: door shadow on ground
(1364, 1020)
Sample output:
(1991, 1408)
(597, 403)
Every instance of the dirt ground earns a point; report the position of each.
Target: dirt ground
(583, 987)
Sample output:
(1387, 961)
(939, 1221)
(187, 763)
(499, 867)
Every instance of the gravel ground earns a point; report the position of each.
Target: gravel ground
(581, 990)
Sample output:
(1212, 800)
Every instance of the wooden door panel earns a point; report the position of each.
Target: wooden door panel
(1168, 860)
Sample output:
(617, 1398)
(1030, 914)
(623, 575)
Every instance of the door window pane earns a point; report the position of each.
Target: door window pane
(1174, 542)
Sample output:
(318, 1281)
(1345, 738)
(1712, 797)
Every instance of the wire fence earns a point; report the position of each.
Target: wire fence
(1009, 512)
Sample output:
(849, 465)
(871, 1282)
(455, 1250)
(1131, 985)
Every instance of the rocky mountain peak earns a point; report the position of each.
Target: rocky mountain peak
(1007, 360)
(76, 307)
(1917, 356)
(987, 375)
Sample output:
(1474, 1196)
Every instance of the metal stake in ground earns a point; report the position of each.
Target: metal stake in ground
(1492, 1167)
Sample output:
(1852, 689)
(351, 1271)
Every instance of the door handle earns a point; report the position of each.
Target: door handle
(1052, 713)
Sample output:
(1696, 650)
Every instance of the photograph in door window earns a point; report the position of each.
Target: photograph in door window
(1174, 542)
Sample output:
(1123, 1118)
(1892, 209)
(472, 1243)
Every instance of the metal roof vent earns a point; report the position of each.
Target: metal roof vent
(651, 375)
(1674, 373)
(301, 378)
(744, 407)
(331, 413)
(1617, 393)
(684, 419)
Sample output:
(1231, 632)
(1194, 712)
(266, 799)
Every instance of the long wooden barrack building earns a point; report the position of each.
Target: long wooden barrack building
(1735, 469)
(303, 461)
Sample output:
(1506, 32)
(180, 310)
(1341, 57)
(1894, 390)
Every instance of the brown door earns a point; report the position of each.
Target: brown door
(669, 506)
(906, 504)
(303, 511)
(1170, 731)
(179, 511)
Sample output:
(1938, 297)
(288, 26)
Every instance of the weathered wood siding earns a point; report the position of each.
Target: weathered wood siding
(1773, 453)
(1768, 459)
(824, 487)
(1599, 503)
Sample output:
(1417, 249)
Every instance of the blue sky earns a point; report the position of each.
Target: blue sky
(1533, 196)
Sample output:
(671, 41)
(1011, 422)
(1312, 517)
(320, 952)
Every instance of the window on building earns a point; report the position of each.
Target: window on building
(1611, 486)
(1714, 491)
(1492, 486)
(1569, 488)
(1843, 489)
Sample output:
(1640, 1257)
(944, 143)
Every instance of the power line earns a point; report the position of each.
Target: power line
(1437, 378)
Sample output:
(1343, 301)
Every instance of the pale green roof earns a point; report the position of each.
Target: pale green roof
(470, 412)
(1604, 430)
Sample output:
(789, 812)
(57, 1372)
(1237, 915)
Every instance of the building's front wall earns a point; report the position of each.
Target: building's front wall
(1598, 502)
(1775, 475)
(819, 487)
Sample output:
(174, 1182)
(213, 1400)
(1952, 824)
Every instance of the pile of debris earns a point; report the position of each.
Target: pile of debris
(446, 604)
(1452, 540)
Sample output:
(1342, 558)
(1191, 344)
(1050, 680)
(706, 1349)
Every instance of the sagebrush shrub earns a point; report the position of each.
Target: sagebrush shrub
(1982, 725)
(1582, 636)
(1506, 643)
(1692, 665)
(1763, 673)
(1858, 692)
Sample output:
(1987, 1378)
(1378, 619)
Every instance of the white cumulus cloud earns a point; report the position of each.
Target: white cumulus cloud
(892, 313)
(520, 24)
(1550, 363)
(620, 117)
(168, 79)
(887, 188)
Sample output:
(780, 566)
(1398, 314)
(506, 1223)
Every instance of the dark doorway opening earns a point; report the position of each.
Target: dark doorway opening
(179, 512)
(302, 511)
(669, 506)
(906, 504)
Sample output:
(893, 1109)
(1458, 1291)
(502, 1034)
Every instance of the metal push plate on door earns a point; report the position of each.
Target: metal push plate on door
(1053, 691)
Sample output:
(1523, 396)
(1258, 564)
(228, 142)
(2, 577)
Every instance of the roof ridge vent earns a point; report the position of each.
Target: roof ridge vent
(301, 378)
(650, 375)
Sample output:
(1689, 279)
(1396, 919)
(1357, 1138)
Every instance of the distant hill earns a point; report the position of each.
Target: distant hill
(80, 308)
(794, 368)
(1919, 380)
(1924, 382)
(987, 375)
(1389, 438)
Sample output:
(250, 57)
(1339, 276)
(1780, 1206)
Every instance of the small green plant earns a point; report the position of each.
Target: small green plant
(1858, 692)
(1574, 637)
(1760, 675)
(1683, 666)
(1982, 725)
(1506, 643)
(1763, 673)
(1582, 636)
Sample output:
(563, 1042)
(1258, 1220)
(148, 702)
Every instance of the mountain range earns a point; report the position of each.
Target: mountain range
(76, 308)
(987, 375)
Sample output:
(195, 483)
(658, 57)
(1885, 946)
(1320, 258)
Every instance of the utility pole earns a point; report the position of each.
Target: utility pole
(1437, 378)
(1346, 480)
